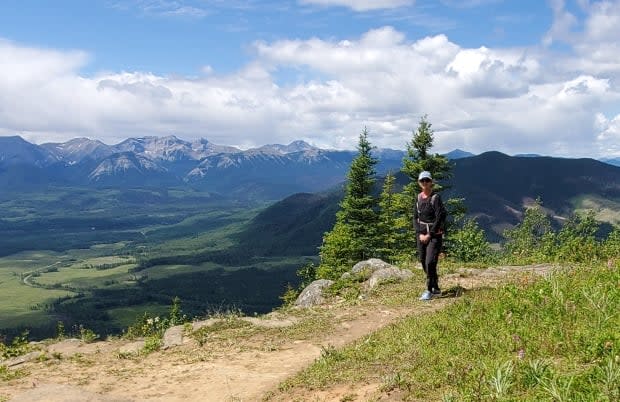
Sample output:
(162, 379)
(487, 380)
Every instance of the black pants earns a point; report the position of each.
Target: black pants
(429, 255)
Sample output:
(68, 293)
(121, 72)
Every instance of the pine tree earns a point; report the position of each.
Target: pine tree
(354, 235)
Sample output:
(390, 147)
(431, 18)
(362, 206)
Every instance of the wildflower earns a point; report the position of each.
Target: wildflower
(521, 354)
(149, 321)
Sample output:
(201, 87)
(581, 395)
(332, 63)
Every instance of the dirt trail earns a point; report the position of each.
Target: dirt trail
(242, 368)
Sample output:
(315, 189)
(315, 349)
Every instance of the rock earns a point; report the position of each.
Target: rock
(28, 357)
(173, 336)
(269, 322)
(133, 348)
(63, 393)
(312, 295)
(196, 325)
(370, 265)
(388, 274)
(72, 346)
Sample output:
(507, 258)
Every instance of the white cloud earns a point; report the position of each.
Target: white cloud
(165, 8)
(609, 136)
(361, 5)
(563, 23)
(515, 100)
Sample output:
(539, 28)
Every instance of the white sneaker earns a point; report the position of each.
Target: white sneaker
(426, 295)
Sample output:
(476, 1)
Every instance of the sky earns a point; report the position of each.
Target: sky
(516, 76)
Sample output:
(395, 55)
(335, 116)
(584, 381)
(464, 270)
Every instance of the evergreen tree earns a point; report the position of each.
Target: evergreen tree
(533, 238)
(335, 252)
(388, 240)
(354, 235)
(417, 159)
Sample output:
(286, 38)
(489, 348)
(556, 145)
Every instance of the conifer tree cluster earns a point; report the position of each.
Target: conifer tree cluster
(379, 226)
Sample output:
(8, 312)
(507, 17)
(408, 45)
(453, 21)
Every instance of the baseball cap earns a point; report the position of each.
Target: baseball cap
(425, 175)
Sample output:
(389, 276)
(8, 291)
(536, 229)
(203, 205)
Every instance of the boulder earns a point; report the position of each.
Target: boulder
(312, 295)
(370, 265)
(388, 274)
(133, 348)
(173, 336)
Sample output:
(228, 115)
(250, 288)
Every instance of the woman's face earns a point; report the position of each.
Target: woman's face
(426, 184)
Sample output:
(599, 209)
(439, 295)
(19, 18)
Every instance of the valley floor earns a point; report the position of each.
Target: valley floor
(240, 360)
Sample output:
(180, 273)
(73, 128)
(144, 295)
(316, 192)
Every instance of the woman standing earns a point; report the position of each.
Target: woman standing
(429, 220)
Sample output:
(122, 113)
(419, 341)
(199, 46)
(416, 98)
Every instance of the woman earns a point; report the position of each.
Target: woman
(429, 220)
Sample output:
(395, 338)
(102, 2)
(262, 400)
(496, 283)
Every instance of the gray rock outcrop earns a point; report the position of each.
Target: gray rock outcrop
(312, 295)
(371, 265)
(374, 271)
(388, 274)
(173, 336)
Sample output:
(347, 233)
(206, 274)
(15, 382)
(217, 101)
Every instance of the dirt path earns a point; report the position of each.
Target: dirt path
(239, 364)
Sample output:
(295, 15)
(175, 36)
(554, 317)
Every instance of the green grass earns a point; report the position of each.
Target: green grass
(80, 278)
(18, 300)
(126, 316)
(605, 210)
(555, 340)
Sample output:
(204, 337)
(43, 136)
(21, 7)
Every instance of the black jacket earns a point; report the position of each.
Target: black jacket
(430, 214)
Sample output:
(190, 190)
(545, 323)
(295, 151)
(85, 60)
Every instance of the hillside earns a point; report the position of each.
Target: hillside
(495, 188)
(293, 226)
(237, 359)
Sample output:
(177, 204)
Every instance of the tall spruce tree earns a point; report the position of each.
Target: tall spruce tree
(354, 235)
(417, 159)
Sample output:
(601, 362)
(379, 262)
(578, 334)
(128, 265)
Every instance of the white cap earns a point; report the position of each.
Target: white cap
(425, 175)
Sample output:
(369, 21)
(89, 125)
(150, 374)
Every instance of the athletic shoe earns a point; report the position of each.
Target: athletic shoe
(426, 295)
(436, 292)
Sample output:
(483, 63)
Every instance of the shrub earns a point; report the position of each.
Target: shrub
(469, 243)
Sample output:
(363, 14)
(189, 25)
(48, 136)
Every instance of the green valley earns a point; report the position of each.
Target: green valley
(101, 258)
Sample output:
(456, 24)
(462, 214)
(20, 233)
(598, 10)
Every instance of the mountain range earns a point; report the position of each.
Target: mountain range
(268, 172)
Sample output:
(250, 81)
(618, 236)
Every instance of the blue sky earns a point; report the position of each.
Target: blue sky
(515, 76)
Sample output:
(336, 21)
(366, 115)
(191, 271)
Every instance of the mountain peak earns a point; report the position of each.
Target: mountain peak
(295, 146)
(458, 154)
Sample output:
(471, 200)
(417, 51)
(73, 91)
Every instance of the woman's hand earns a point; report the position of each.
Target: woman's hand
(425, 238)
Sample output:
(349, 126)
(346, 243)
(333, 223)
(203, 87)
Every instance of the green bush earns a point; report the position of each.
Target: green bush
(468, 243)
(19, 346)
(532, 239)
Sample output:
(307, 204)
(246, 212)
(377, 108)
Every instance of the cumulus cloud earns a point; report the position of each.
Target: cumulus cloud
(361, 5)
(515, 100)
(609, 136)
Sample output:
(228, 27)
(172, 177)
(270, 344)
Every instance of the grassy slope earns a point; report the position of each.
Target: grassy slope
(556, 339)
